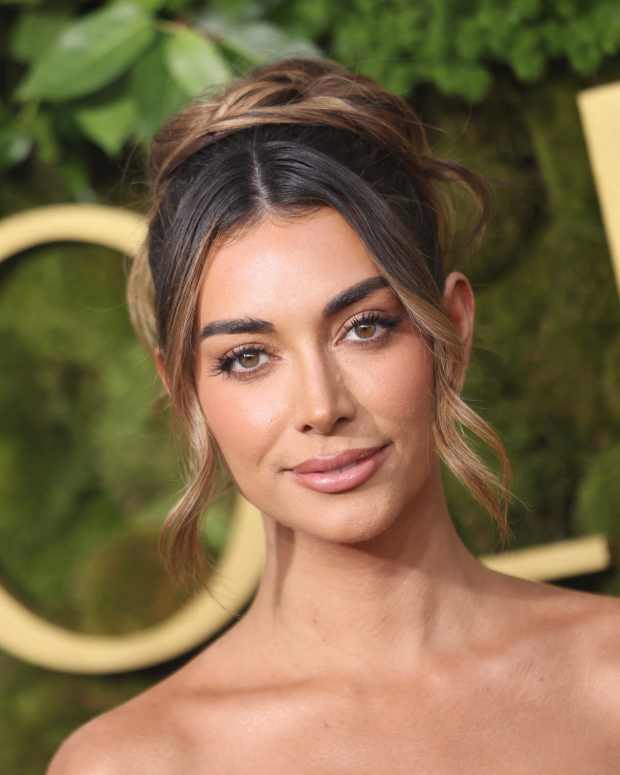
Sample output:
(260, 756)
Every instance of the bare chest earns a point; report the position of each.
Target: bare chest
(396, 734)
(449, 745)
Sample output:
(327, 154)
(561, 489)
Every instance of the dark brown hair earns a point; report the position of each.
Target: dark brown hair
(288, 138)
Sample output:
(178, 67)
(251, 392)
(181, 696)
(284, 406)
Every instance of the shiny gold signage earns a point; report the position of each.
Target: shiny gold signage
(28, 636)
(600, 116)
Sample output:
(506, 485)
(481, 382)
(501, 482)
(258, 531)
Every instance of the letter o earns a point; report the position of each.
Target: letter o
(233, 581)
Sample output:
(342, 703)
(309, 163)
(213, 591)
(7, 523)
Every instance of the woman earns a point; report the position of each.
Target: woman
(299, 316)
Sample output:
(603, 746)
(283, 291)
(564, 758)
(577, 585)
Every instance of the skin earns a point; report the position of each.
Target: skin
(376, 642)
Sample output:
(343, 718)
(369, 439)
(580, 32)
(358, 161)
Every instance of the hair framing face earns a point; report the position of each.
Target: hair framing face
(289, 138)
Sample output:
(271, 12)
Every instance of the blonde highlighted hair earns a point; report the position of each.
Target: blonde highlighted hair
(288, 138)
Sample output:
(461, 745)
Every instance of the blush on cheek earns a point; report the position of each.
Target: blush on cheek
(406, 383)
(242, 427)
(410, 397)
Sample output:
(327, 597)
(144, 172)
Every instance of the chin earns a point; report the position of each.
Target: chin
(345, 523)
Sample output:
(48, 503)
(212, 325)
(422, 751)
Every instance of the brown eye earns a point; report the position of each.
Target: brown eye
(249, 358)
(365, 330)
(367, 324)
(245, 360)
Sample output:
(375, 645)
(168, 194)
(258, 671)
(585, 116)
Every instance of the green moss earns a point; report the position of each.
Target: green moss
(611, 379)
(84, 457)
(480, 139)
(126, 568)
(41, 707)
(598, 495)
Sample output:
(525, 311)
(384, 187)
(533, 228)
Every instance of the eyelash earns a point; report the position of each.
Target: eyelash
(225, 363)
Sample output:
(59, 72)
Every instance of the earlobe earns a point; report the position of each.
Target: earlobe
(159, 364)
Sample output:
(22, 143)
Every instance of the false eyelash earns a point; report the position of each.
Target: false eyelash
(388, 321)
(224, 364)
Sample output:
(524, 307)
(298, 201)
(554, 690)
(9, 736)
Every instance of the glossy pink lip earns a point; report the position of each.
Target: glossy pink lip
(331, 462)
(342, 479)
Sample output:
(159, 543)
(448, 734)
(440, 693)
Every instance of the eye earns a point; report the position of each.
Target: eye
(367, 321)
(245, 355)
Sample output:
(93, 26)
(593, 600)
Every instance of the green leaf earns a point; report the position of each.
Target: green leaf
(15, 146)
(42, 128)
(34, 32)
(151, 5)
(154, 91)
(89, 53)
(194, 62)
(75, 175)
(256, 41)
(109, 123)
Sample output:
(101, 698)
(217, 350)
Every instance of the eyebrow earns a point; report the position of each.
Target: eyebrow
(250, 325)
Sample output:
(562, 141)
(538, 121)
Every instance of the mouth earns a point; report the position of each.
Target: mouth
(345, 477)
(337, 462)
(353, 463)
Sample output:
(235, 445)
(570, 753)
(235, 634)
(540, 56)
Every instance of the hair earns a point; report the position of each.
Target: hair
(287, 139)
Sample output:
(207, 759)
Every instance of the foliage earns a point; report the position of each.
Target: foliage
(455, 45)
(545, 360)
(84, 446)
(111, 75)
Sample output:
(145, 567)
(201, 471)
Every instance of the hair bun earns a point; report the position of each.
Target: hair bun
(294, 91)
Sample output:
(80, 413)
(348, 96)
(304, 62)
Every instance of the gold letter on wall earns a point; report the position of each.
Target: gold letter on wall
(28, 636)
(600, 115)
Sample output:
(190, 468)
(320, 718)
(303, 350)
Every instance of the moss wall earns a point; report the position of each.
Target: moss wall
(87, 469)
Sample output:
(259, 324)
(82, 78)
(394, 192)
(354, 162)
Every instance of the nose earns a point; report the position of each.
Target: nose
(321, 396)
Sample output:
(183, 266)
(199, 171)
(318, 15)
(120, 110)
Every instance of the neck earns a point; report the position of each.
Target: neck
(380, 605)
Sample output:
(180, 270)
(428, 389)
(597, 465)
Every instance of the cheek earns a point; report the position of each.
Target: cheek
(240, 425)
(399, 387)
(406, 408)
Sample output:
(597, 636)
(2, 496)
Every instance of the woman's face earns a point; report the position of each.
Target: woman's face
(309, 384)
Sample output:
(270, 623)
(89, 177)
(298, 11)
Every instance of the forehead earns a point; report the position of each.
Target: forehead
(284, 265)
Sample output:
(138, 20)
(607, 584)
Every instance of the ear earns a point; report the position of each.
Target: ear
(460, 304)
(159, 364)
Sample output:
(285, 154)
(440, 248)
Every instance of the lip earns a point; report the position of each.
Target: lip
(331, 462)
(341, 479)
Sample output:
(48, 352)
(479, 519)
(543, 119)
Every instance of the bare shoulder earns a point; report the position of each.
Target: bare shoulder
(597, 686)
(567, 648)
(143, 735)
(590, 623)
(581, 636)
(92, 748)
(598, 637)
(579, 632)
(547, 609)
